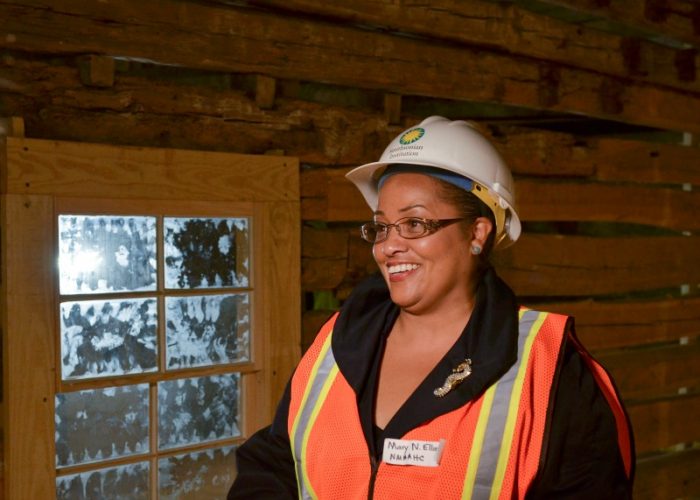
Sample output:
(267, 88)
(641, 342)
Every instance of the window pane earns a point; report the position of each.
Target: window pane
(199, 475)
(101, 424)
(196, 410)
(107, 253)
(126, 482)
(206, 253)
(108, 337)
(207, 330)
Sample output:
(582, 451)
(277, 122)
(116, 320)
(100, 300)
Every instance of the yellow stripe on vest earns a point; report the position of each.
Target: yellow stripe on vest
(306, 416)
(477, 442)
(513, 408)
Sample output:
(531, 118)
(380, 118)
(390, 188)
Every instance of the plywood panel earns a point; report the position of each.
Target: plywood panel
(28, 345)
(73, 169)
(279, 258)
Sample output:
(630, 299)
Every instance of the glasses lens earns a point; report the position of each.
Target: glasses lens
(413, 227)
(370, 231)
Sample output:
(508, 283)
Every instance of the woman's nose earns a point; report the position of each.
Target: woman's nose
(394, 242)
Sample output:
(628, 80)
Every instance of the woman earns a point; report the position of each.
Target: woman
(431, 382)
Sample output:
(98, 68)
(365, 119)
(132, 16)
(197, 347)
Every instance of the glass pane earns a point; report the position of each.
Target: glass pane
(101, 424)
(207, 330)
(126, 482)
(106, 253)
(196, 410)
(199, 475)
(108, 337)
(206, 253)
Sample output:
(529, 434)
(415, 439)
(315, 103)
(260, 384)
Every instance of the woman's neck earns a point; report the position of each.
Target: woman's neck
(443, 324)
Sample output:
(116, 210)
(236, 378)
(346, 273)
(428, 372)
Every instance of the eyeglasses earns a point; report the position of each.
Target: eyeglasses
(408, 227)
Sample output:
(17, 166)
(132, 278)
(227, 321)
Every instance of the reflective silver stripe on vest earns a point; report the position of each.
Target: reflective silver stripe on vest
(306, 415)
(493, 439)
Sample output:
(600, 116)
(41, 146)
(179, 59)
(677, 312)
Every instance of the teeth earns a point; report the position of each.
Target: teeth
(402, 268)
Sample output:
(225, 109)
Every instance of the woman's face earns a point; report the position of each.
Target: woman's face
(427, 273)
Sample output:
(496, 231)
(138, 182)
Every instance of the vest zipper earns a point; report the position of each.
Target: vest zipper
(373, 476)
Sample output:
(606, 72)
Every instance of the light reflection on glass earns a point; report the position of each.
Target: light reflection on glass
(106, 253)
(206, 253)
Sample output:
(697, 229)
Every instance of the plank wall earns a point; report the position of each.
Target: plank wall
(611, 227)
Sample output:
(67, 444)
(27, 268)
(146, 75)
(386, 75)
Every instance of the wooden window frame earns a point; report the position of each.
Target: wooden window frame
(40, 179)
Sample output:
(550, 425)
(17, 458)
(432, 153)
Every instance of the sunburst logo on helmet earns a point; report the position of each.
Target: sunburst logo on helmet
(412, 135)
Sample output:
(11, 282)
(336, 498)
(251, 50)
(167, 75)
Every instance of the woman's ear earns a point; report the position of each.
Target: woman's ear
(481, 229)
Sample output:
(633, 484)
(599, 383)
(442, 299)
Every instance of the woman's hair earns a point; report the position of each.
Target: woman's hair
(470, 208)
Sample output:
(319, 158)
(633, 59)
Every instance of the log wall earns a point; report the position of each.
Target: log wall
(611, 227)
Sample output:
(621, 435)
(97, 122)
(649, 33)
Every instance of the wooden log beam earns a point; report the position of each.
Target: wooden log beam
(255, 42)
(327, 195)
(666, 21)
(552, 265)
(509, 27)
(665, 423)
(605, 325)
(670, 475)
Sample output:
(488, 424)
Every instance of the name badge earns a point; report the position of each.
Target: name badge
(413, 452)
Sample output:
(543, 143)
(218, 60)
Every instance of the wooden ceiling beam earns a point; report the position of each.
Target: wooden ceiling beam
(670, 22)
(512, 29)
(247, 41)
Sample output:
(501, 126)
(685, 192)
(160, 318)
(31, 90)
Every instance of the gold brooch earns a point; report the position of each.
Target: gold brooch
(455, 378)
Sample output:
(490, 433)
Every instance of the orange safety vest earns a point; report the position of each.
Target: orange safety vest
(493, 443)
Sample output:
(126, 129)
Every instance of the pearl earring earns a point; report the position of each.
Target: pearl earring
(476, 249)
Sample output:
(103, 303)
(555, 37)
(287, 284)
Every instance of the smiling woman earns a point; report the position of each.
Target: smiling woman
(432, 382)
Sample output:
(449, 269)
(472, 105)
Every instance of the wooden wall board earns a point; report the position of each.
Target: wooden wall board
(550, 265)
(71, 169)
(670, 475)
(510, 28)
(239, 40)
(643, 373)
(28, 345)
(605, 325)
(662, 424)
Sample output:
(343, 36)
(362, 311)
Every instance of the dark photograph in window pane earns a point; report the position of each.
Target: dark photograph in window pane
(198, 475)
(125, 482)
(108, 337)
(196, 410)
(207, 330)
(206, 253)
(101, 424)
(106, 253)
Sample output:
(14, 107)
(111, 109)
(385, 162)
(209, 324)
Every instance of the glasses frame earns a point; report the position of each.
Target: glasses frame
(431, 226)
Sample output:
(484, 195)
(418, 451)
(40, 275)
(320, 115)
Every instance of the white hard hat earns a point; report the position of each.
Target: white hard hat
(457, 147)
